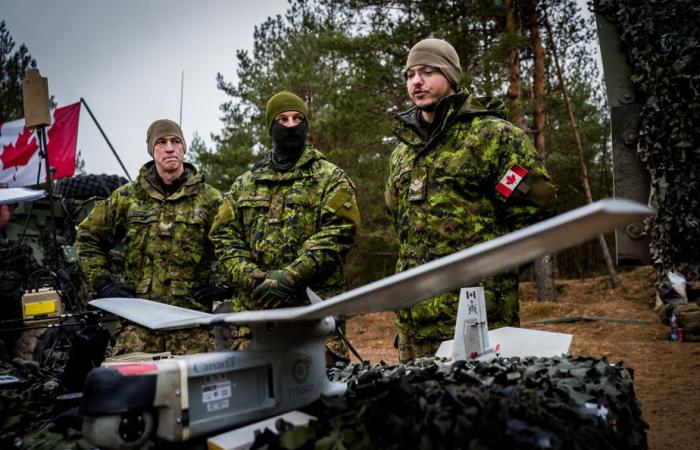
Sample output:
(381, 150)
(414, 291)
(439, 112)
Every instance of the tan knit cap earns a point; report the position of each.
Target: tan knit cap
(160, 128)
(439, 54)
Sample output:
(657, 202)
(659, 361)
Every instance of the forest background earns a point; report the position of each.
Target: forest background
(345, 59)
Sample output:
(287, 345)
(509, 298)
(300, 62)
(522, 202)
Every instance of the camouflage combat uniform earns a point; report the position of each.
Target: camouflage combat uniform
(167, 251)
(16, 264)
(441, 195)
(304, 219)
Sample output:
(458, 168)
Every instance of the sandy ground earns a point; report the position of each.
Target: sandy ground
(666, 373)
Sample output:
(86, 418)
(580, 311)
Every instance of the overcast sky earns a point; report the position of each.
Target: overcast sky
(126, 58)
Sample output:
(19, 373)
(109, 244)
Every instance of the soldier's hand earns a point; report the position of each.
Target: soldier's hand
(207, 294)
(105, 288)
(275, 290)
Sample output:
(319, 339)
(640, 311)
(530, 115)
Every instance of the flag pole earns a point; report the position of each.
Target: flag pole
(182, 90)
(44, 153)
(82, 100)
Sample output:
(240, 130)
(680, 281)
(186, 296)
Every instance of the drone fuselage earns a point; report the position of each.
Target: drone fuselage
(196, 395)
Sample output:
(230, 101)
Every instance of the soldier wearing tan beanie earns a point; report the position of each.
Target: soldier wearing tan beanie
(443, 192)
(162, 221)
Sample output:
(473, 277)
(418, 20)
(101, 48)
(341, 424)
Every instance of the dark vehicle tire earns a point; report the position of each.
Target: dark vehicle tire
(82, 187)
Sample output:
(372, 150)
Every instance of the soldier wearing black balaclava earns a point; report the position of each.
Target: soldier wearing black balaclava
(288, 222)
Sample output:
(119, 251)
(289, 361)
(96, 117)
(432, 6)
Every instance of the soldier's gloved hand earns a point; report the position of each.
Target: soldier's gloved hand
(105, 288)
(207, 294)
(275, 290)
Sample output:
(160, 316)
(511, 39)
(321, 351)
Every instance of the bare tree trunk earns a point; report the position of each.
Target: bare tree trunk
(514, 86)
(538, 79)
(542, 266)
(579, 148)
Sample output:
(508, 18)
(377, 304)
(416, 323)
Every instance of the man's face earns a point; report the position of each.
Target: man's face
(289, 118)
(169, 154)
(426, 85)
(5, 214)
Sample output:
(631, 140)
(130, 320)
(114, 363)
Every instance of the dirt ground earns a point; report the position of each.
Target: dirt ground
(666, 373)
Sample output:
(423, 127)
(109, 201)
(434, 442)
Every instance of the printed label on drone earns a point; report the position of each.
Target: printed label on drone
(216, 391)
(217, 405)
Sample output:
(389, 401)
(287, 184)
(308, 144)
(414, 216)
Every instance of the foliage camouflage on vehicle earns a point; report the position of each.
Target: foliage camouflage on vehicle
(28, 410)
(530, 403)
(661, 42)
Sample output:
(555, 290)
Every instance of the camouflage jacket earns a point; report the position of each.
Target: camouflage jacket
(441, 195)
(304, 219)
(167, 250)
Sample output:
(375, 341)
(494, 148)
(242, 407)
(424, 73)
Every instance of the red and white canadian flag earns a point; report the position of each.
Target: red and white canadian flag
(511, 180)
(20, 163)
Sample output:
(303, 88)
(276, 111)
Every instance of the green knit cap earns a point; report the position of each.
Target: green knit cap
(160, 128)
(280, 102)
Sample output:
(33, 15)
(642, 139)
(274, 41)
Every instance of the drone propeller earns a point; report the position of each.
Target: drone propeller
(410, 287)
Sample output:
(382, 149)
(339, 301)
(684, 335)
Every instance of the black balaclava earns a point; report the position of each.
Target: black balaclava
(287, 144)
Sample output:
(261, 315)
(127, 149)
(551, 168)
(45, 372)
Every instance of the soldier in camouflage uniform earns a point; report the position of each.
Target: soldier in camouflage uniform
(448, 189)
(163, 218)
(14, 267)
(288, 222)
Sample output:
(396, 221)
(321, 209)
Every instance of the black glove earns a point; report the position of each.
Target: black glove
(105, 288)
(206, 294)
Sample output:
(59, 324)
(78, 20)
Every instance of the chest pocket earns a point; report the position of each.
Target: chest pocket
(411, 184)
(139, 223)
(301, 214)
(186, 227)
(141, 227)
(254, 210)
(401, 181)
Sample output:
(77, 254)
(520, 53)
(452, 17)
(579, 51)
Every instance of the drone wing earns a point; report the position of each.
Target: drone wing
(410, 287)
(475, 263)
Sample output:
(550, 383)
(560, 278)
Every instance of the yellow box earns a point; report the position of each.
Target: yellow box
(44, 302)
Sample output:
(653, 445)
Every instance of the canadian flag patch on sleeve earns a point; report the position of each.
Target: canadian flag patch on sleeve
(511, 180)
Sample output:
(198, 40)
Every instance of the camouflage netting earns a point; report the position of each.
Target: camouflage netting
(28, 411)
(545, 403)
(662, 42)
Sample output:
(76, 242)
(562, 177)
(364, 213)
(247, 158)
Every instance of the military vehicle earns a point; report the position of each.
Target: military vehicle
(46, 289)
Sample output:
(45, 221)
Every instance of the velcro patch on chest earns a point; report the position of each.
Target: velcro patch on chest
(513, 177)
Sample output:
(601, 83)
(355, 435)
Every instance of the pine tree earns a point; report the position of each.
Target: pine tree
(13, 65)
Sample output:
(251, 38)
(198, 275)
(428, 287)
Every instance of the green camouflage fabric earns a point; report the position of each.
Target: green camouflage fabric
(16, 264)
(441, 196)
(167, 249)
(132, 338)
(303, 220)
(166, 238)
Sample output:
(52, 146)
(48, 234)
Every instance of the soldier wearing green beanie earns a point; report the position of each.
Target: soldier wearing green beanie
(163, 219)
(287, 223)
(281, 102)
(460, 175)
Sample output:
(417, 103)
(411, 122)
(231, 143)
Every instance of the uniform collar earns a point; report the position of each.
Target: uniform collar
(264, 170)
(461, 106)
(187, 188)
